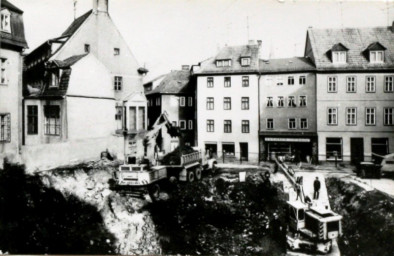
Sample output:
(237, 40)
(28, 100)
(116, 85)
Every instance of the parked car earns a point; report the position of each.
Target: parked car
(368, 170)
(388, 164)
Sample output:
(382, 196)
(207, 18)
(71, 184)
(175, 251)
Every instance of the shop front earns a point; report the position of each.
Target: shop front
(291, 146)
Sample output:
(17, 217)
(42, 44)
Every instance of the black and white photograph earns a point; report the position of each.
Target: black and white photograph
(197, 127)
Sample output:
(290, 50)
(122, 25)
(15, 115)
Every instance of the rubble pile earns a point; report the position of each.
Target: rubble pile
(220, 215)
(368, 223)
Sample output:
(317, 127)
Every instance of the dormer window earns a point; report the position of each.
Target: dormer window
(339, 54)
(339, 57)
(245, 61)
(5, 21)
(223, 63)
(376, 52)
(54, 79)
(376, 56)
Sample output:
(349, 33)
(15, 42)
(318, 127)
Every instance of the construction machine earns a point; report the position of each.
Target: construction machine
(312, 225)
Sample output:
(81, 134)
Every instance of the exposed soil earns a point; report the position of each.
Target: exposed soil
(368, 223)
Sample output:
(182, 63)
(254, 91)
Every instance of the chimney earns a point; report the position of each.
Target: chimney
(100, 6)
(186, 67)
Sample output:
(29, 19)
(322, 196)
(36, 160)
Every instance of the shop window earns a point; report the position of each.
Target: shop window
(228, 149)
(333, 148)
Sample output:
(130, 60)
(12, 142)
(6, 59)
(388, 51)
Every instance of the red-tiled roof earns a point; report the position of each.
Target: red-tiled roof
(357, 41)
(176, 82)
(295, 64)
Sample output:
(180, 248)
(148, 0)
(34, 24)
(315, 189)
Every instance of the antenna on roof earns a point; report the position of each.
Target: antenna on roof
(75, 9)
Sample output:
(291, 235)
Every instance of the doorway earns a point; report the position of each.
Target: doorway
(356, 150)
(244, 151)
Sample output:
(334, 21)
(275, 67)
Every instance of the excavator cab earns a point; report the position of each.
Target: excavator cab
(296, 215)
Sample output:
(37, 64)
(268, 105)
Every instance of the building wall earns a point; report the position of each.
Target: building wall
(269, 88)
(102, 35)
(360, 99)
(11, 102)
(236, 115)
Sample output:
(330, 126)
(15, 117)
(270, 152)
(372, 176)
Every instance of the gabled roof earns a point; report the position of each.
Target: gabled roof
(233, 53)
(10, 6)
(376, 47)
(76, 24)
(17, 35)
(176, 82)
(68, 62)
(295, 64)
(339, 47)
(357, 41)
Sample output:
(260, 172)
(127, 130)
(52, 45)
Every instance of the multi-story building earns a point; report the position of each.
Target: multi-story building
(11, 63)
(227, 102)
(355, 91)
(287, 96)
(83, 95)
(175, 95)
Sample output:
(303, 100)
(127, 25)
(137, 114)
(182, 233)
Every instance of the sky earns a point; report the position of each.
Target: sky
(165, 34)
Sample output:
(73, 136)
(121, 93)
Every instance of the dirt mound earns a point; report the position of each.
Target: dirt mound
(174, 157)
(368, 223)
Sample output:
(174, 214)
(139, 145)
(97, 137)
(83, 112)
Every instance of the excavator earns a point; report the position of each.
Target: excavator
(312, 226)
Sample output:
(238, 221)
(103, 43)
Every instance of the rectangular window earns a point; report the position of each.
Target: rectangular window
(227, 126)
(245, 81)
(141, 118)
(118, 82)
(302, 101)
(270, 104)
(223, 63)
(332, 84)
(210, 125)
(351, 84)
(290, 80)
(227, 82)
(228, 149)
(302, 80)
(209, 82)
(182, 101)
(379, 146)
(291, 102)
(52, 119)
(116, 51)
(118, 113)
(182, 124)
(270, 124)
(370, 84)
(5, 21)
(132, 118)
(332, 116)
(351, 116)
(190, 124)
(292, 123)
(3, 71)
(279, 81)
(158, 101)
(210, 103)
(281, 102)
(54, 78)
(87, 48)
(227, 103)
(245, 126)
(32, 119)
(245, 61)
(5, 127)
(388, 116)
(389, 84)
(190, 101)
(339, 57)
(370, 116)
(245, 103)
(376, 56)
(333, 148)
(304, 123)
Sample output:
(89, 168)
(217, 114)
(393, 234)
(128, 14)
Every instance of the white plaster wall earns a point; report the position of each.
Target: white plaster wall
(11, 102)
(236, 115)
